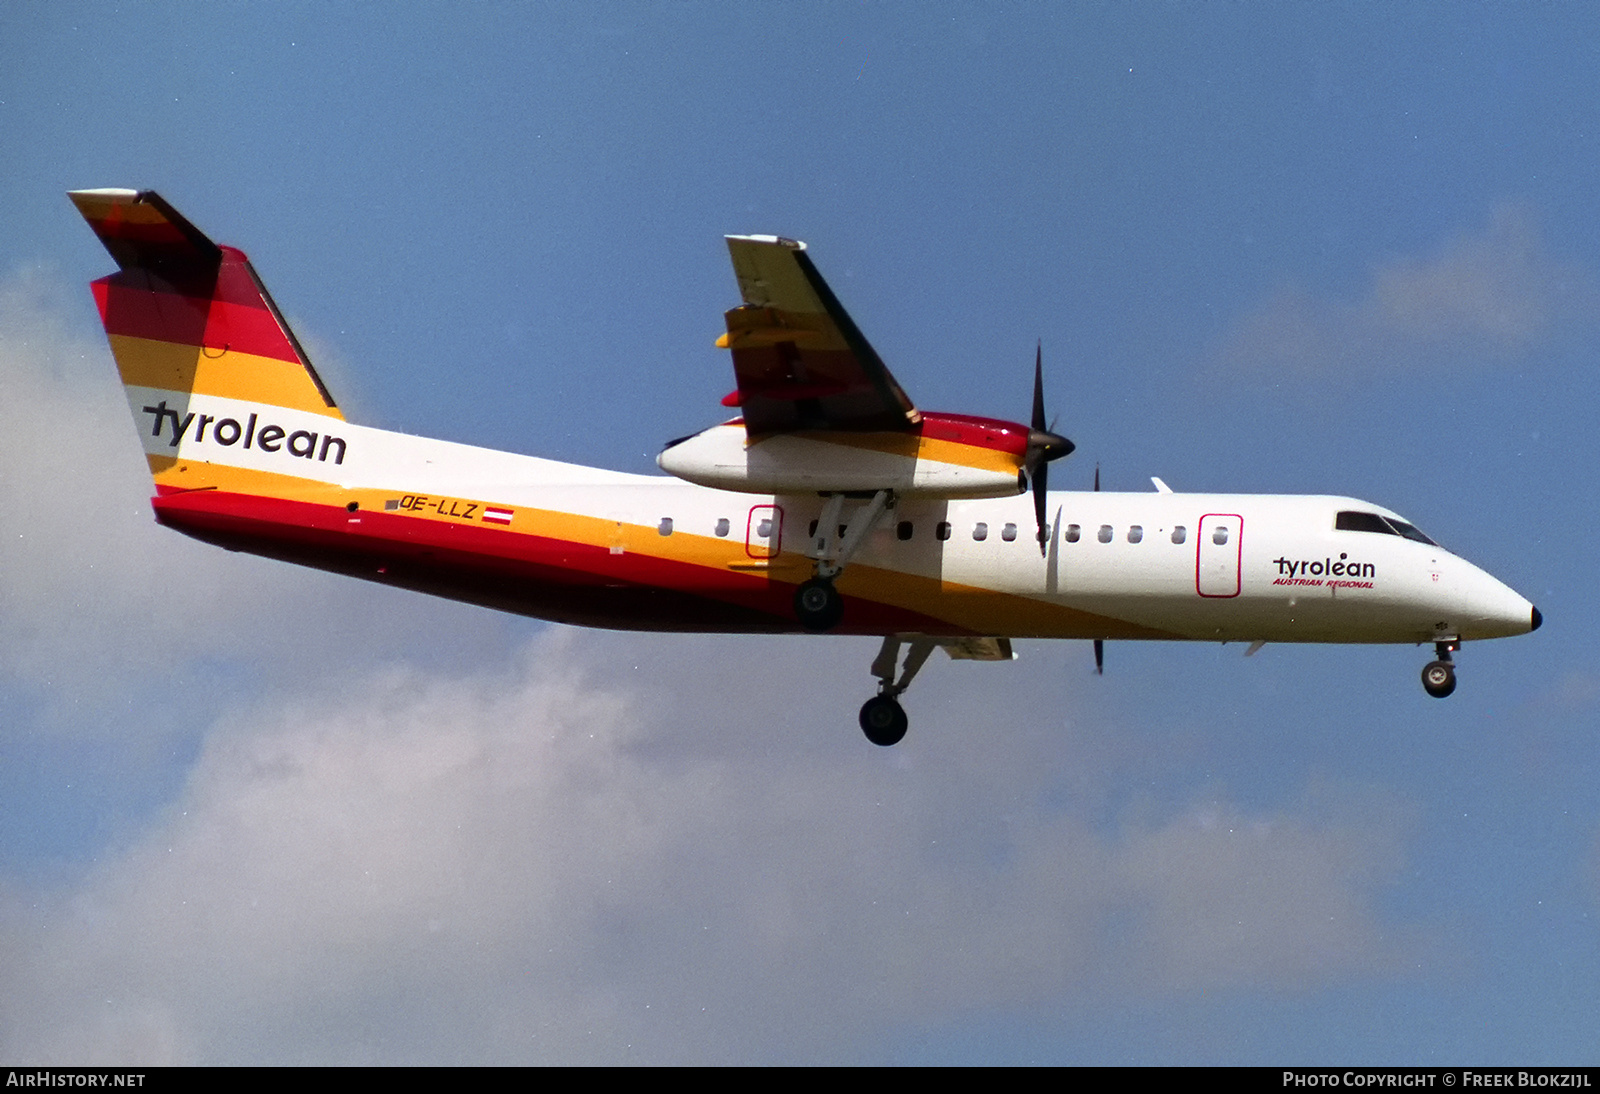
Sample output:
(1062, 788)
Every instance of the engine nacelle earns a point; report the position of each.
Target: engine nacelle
(943, 456)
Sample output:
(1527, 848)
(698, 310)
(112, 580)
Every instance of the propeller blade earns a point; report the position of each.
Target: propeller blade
(1044, 445)
(1099, 657)
(1038, 388)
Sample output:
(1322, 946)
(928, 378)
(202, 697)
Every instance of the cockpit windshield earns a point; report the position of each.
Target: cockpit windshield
(1351, 520)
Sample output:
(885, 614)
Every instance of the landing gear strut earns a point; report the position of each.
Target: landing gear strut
(817, 604)
(1439, 677)
(883, 720)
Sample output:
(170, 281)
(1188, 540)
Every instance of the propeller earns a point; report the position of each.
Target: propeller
(1044, 445)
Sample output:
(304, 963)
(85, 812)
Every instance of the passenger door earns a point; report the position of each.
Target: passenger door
(763, 531)
(1219, 550)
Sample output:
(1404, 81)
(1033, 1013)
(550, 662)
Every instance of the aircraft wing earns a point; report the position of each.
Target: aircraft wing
(800, 362)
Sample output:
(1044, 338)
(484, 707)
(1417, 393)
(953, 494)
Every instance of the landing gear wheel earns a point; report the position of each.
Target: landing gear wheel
(1439, 678)
(818, 605)
(883, 720)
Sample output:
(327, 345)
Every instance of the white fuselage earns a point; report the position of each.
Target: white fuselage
(1283, 574)
(1242, 568)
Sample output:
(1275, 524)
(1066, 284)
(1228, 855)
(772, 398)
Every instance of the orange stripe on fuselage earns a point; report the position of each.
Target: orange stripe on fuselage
(919, 447)
(971, 610)
(599, 548)
(177, 474)
(985, 444)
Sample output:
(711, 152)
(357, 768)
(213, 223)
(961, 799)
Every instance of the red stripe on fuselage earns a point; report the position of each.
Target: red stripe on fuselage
(528, 574)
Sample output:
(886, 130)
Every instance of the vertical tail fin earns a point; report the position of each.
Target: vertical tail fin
(185, 314)
(186, 317)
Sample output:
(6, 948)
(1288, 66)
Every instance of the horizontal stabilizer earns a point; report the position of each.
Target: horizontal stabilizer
(143, 232)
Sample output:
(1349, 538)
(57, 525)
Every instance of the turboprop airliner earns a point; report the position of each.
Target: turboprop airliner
(830, 503)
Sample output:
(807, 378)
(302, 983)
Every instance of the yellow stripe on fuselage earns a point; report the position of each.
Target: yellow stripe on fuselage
(712, 552)
(967, 609)
(182, 473)
(972, 609)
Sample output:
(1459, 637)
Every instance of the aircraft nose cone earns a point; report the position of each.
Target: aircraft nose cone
(1537, 619)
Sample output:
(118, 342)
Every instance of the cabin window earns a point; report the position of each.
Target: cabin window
(764, 529)
(1009, 533)
(722, 526)
(903, 530)
(1179, 535)
(980, 531)
(1219, 534)
(665, 527)
(1135, 533)
(942, 530)
(1105, 533)
(1073, 532)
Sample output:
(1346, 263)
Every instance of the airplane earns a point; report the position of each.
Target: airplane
(831, 503)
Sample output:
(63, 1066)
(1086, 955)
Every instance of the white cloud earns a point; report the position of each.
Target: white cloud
(1495, 295)
(97, 601)
(1235, 899)
(525, 865)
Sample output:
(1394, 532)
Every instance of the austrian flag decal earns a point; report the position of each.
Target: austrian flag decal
(494, 515)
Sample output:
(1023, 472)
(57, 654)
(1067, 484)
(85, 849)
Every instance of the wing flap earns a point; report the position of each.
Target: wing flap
(977, 649)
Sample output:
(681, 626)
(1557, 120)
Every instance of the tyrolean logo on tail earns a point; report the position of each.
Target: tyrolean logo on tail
(227, 432)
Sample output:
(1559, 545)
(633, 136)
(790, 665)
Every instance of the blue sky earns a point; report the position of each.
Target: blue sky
(255, 814)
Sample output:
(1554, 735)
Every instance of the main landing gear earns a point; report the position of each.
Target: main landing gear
(883, 720)
(1439, 677)
(817, 604)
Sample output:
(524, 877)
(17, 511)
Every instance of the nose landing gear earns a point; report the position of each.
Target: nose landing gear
(1439, 677)
(883, 720)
